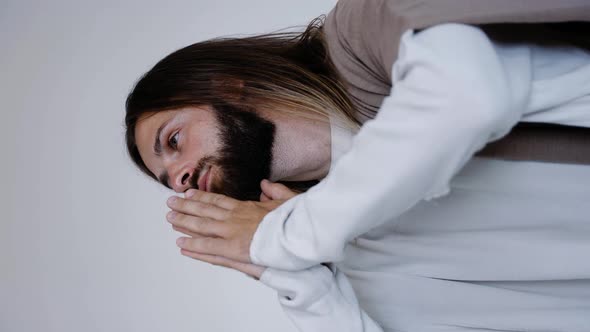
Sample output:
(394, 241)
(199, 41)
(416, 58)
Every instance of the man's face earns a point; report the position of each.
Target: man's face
(226, 150)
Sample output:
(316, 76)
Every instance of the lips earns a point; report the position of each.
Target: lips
(204, 179)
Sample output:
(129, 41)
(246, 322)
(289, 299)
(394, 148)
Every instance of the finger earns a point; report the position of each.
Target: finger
(199, 225)
(264, 198)
(276, 190)
(185, 231)
(196, 208)
(209, 246)
(249, 269)
(271, 205)
(222, 201)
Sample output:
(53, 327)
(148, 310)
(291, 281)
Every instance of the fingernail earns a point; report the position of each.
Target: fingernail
(171, 215)
(190, 193)
(180, 241)
(172, 199)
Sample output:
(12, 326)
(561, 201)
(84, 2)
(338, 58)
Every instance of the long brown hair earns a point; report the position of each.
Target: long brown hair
(287, 71)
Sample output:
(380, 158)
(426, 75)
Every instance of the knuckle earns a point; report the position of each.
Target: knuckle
(193, 206)
(231, 215)
(187, 222)
(217, 199)
(184, 205)
(201, 226)
(196, 204)
(198, 194)
(197, 245)
(228, 233)
(223, 230)
(197, 225)
(244, 206)
(180, 220)
(205, 244)
(189, 244)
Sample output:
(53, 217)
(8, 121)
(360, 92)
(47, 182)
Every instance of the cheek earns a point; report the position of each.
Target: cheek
(203, 143)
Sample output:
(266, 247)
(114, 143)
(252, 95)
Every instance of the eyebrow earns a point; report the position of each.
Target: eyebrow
(157, 144)
(163, 178)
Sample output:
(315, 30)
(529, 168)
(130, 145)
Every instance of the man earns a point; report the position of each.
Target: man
(424, 243)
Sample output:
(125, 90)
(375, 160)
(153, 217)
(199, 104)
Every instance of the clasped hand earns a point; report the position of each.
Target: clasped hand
(221, 228)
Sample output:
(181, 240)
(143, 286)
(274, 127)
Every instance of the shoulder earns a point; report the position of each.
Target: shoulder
(453, 48)
(457, 65)
(454, 34)
(451, 44)
(362, 38)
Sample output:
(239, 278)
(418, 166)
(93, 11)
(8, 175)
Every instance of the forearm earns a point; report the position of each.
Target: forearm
(440, 112)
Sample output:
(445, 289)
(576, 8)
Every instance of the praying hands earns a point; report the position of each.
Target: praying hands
(219, 228)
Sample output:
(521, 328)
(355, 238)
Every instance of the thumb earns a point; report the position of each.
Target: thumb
(264, 198)
(276, 191)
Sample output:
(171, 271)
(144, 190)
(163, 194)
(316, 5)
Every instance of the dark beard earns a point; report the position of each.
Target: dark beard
(246, 154)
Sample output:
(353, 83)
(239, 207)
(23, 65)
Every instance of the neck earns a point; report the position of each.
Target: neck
(302, 148)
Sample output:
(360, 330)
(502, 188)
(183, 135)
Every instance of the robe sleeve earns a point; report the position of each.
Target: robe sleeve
(451, 95)
(319, 298)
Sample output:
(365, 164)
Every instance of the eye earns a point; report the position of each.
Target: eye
(173, 141)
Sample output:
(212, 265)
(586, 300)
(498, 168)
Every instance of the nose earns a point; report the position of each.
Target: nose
(181, 180)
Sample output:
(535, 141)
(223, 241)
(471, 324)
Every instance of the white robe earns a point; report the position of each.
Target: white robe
(422, 236)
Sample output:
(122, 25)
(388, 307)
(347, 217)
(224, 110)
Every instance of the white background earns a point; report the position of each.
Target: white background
(84, 245)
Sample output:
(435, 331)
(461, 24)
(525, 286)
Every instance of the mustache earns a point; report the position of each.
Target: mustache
(194, 180)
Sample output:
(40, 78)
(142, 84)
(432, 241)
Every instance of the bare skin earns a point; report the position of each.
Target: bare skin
(220, 228)
(301, 151)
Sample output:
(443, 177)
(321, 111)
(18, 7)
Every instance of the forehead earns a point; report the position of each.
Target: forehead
(145, 134)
